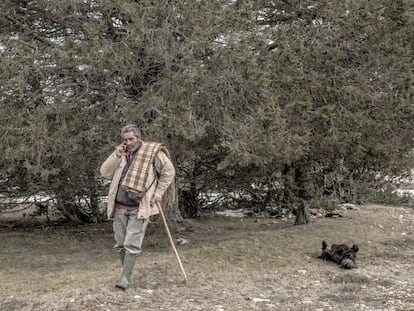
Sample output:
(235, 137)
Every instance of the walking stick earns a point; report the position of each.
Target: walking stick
(172, 242)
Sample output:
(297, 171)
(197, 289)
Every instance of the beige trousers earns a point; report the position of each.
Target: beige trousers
(129, 231)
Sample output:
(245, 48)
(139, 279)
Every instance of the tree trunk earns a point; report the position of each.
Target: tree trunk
(95, 214)
(188, 203)
(72, 211)
(302, 215)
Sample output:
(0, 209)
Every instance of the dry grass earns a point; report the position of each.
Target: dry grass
(232, 264)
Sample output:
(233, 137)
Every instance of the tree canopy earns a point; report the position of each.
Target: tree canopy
(279, 102)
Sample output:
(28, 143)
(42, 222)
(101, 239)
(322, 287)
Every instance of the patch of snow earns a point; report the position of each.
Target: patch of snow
(261, 300)
(405, 192)
(232, 213)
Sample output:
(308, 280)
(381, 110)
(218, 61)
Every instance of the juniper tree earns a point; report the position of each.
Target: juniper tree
(282, 103)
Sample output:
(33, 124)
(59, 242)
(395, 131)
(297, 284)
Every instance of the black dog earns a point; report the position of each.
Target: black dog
(343, 255)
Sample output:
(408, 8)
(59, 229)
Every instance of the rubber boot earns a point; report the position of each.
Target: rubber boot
(122, 257)
(126, 278)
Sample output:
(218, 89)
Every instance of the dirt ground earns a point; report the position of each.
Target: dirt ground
(231, 263)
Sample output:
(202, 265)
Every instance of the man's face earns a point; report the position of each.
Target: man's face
(130, 140)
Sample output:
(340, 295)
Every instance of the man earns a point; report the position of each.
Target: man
(142, 177)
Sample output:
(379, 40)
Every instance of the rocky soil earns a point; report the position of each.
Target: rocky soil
(232, 264)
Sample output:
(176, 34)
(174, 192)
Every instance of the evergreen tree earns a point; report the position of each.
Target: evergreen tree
(278, 103)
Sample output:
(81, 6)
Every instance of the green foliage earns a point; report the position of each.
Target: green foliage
(283, 102)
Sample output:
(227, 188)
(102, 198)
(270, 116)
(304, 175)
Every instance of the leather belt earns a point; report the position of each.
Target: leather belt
(127, 207)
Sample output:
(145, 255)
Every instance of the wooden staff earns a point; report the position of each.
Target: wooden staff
(172, 242)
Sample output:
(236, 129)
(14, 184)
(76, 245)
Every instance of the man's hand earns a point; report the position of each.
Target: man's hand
(155, 200)
(120, 150)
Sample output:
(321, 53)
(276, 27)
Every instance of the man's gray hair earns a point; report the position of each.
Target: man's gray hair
(131, 128)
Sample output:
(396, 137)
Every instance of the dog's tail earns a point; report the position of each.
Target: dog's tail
(325, 252)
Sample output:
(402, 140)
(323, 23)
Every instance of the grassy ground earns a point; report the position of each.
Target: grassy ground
(231, 263)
